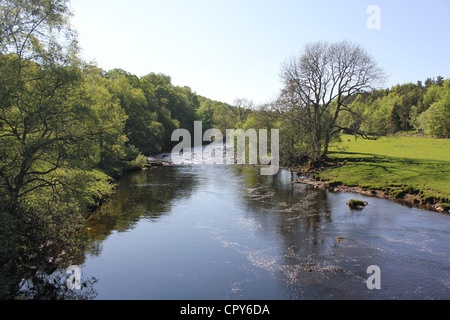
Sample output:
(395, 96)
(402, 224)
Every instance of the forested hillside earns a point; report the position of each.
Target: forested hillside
(402, 108)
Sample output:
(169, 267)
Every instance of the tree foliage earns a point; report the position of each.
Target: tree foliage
(67, 129)
(319, 85)
(435, 120)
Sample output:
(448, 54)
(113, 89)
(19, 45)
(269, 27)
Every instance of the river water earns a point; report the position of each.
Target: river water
(211, 232)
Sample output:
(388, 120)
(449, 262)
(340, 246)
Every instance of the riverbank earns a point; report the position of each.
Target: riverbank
(410, 170)
(410, 199)
(142, 163)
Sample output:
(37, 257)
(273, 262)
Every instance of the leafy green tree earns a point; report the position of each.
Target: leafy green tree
(142, 128)
(38, 30)
(216, 114)
(58, 122)
(436, 119)
(394, 119)
(205, 112)
(175, 107)
(242, 108)
(108, 119)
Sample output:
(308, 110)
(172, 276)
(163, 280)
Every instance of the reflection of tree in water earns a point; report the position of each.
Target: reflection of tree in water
(54, 287)
(52, 246)
(36, 250)
(141, 195)
(295, 213)
(293, 203)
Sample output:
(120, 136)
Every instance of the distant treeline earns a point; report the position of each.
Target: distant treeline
(423, 108)
(408, 108)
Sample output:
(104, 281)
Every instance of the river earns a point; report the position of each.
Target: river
(211, 232)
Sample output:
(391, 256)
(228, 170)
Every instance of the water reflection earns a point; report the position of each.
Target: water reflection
(142, 195)
(54, 287)
(226, 232)
(290, 217)
(35, 269)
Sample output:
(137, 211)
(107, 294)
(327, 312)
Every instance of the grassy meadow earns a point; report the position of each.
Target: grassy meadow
(396, 165)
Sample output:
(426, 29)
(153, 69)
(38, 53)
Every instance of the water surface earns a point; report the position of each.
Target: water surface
(226, 232)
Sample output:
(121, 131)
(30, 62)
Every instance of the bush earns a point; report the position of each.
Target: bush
(139, 163)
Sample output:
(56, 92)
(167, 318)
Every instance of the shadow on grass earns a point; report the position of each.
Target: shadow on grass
(376, 158)
(357, 157)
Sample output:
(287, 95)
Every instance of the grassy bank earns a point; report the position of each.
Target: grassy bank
(416, 167)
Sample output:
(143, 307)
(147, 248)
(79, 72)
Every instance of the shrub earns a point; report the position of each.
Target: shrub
(137, 164)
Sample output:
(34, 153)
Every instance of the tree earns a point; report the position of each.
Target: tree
(394, 120)
(436, 119)
(175, 107)
(429, 82)
(57, 120)
(57, 123)
(320, 82)
(142, 128)
(242, 109)
(36, 113)
(38, 30)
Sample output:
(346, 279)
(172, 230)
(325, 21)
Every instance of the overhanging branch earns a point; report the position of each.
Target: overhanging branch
(351, 131)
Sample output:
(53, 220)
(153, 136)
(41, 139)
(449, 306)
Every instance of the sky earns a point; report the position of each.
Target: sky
(228, 49)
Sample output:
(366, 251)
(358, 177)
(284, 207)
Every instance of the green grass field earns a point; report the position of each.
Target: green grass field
(397, 164)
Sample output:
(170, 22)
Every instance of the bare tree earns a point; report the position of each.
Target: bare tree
(243, 108)
(318, 85)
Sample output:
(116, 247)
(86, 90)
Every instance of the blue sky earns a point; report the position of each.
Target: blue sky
(227, 49)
